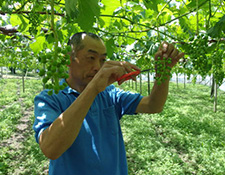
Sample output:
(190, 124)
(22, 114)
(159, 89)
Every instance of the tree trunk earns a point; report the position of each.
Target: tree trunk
(177, 79)
(13, 70)
(43, 77)
(136, 85)
(1, 76)
(23, 83)
(132, 84)
(149, 83)
(212, 87)
(140, 84)
(184, 80)
(215, 97)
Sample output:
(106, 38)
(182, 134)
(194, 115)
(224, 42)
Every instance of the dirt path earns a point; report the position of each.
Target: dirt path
(17, 142)
(22, 129)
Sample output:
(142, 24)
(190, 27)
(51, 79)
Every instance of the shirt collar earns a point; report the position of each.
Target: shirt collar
(68, 89)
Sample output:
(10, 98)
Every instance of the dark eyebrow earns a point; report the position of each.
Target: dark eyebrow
(95, 52)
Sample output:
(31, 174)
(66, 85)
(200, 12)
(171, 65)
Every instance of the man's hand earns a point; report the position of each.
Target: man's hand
(110, 72)
(167, 51)
(166, 58)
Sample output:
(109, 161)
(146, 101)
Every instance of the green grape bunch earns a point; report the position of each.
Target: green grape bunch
(54, 68)
(205, 60)
(198, 53)
(34, 21)
(162, 69)
(217, 68)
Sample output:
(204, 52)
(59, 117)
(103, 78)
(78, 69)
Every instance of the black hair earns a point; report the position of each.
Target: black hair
(75, 40)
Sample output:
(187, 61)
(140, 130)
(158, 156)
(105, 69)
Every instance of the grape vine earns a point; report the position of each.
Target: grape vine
(48, 24)
(54, 68)
(198, 53)
(217, 67)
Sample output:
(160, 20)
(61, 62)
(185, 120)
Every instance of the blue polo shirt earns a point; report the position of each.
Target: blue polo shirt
(99, 147)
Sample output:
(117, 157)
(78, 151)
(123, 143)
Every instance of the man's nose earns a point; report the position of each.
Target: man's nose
(97, 65)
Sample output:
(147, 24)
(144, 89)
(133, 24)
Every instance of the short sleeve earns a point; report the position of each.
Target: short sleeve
(46, 110)
(126, 102)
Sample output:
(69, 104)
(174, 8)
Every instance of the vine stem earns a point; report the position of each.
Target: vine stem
(55, 35)
(174, 19)
(210, 15)
(163, 9)
(157, 19)
(53, 23)
(143, 25)
(197, 17)
(27, 12)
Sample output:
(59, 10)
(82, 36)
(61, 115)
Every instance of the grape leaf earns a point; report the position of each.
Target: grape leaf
(110, 47)
(37, 46)
(185, 25)
(193, 4)
(15, 20)
(109, 9)
(216, 30)
(18, 20)
(88, 10)
(109, 6)
(23, 25)
(71, 8)
(151, 4)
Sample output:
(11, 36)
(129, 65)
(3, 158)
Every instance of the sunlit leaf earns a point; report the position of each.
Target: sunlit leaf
(37, 46)
(15, 20)
(24, 24)
(151, 4)
(110, 7)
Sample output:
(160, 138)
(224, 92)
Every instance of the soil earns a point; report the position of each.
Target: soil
(23, 130)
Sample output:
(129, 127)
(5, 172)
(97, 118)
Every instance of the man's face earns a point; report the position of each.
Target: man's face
(86, 63)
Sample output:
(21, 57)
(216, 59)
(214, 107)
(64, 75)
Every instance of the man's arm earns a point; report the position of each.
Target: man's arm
(61, 134)
(154, 103)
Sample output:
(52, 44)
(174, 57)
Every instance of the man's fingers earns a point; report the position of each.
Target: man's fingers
(174, 53)
(164, 46)
(128, 66)
(158, 54)
(180, 55)
(170, 49)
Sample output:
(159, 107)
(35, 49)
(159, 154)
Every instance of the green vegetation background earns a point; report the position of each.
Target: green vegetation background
(186, 138)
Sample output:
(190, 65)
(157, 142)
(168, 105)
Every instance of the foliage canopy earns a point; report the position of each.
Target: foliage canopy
(132, 30)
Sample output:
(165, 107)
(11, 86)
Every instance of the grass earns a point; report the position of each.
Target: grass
(8, 120)
(186, 138)
(28, 159)
(8, 91)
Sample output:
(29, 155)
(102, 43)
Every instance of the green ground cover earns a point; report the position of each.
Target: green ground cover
(8, 91)
(186, 138)
(19, 153)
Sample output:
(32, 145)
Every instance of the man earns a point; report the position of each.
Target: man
(78, 129)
